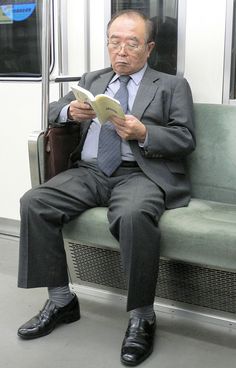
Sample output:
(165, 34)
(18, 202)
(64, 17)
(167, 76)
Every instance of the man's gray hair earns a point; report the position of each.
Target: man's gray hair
(150, 36)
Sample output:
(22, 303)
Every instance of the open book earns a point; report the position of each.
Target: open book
(103, 105)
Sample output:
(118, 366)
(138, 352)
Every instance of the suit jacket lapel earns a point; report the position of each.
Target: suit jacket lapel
(100, 84)
(146, 92)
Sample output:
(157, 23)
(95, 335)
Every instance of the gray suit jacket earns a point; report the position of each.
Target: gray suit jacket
(164, 104)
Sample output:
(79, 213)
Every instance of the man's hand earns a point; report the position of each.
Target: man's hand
(130, 128)
(80, 111)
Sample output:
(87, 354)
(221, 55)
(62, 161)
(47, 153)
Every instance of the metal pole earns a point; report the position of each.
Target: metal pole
(45, 45)
(60, 63)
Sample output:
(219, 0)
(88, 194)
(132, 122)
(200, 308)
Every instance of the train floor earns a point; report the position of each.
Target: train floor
(95, 340)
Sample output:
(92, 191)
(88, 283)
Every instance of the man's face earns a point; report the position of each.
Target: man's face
(127, 45)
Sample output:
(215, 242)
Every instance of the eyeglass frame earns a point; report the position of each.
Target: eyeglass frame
(117, 46)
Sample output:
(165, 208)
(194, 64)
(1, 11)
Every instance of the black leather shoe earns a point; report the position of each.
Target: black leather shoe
(138, 342)
(47, 319)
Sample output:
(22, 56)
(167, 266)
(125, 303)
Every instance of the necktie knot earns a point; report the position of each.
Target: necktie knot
(124, 79)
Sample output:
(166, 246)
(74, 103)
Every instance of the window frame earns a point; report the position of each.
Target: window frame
(31, 78)
(228, 53)
(181, 37)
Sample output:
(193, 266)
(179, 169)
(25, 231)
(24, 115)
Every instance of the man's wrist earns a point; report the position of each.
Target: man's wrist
(143, 135)
(69, 117)
(144, 143)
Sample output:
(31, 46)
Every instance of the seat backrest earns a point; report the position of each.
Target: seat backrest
(212, 166)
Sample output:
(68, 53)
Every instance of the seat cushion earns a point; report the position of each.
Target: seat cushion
(202, 233)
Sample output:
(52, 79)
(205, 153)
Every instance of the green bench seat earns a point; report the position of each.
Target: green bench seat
(202, 233)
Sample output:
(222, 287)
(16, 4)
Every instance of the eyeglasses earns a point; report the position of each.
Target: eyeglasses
(117, 46)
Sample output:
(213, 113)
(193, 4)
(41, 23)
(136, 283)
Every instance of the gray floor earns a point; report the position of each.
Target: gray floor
(95, 340)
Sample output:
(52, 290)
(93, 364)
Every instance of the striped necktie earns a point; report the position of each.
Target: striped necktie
(109, 147)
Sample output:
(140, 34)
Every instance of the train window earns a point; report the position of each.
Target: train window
(20, 39)
(164, 14)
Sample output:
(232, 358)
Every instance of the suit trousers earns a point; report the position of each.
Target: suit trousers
(135, 204)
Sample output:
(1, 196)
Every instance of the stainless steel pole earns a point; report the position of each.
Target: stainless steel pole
(60, 63)
(45, 45)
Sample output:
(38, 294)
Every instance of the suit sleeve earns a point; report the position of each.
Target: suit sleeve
(174, 138)
(55, 107)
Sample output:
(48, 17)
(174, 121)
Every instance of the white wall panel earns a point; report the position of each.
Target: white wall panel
(205, 33)
(20, 115)
(100, 13)
(77, 32)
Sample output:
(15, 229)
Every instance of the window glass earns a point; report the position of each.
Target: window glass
(164, 14)
(20, 38)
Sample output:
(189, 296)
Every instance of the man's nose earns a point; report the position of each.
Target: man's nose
(122, 49)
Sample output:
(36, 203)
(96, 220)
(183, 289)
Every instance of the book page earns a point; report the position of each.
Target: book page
(104, 106)
(107, 107)
(82, 94)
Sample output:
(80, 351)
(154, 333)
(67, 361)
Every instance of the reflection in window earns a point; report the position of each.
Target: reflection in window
(164, 15)
(20, 38)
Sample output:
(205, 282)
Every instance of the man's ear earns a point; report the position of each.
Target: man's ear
(150, 46)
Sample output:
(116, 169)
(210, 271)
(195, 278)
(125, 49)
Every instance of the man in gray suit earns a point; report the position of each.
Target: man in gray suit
(137, 183)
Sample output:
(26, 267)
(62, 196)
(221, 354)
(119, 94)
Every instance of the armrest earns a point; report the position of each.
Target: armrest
(36, 157)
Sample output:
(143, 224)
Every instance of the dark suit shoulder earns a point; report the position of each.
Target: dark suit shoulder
(155, 74)
(168, 81)
(89, 77)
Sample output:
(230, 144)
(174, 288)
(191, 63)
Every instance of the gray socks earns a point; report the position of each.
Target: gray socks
(146, 312)
(60, 296)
